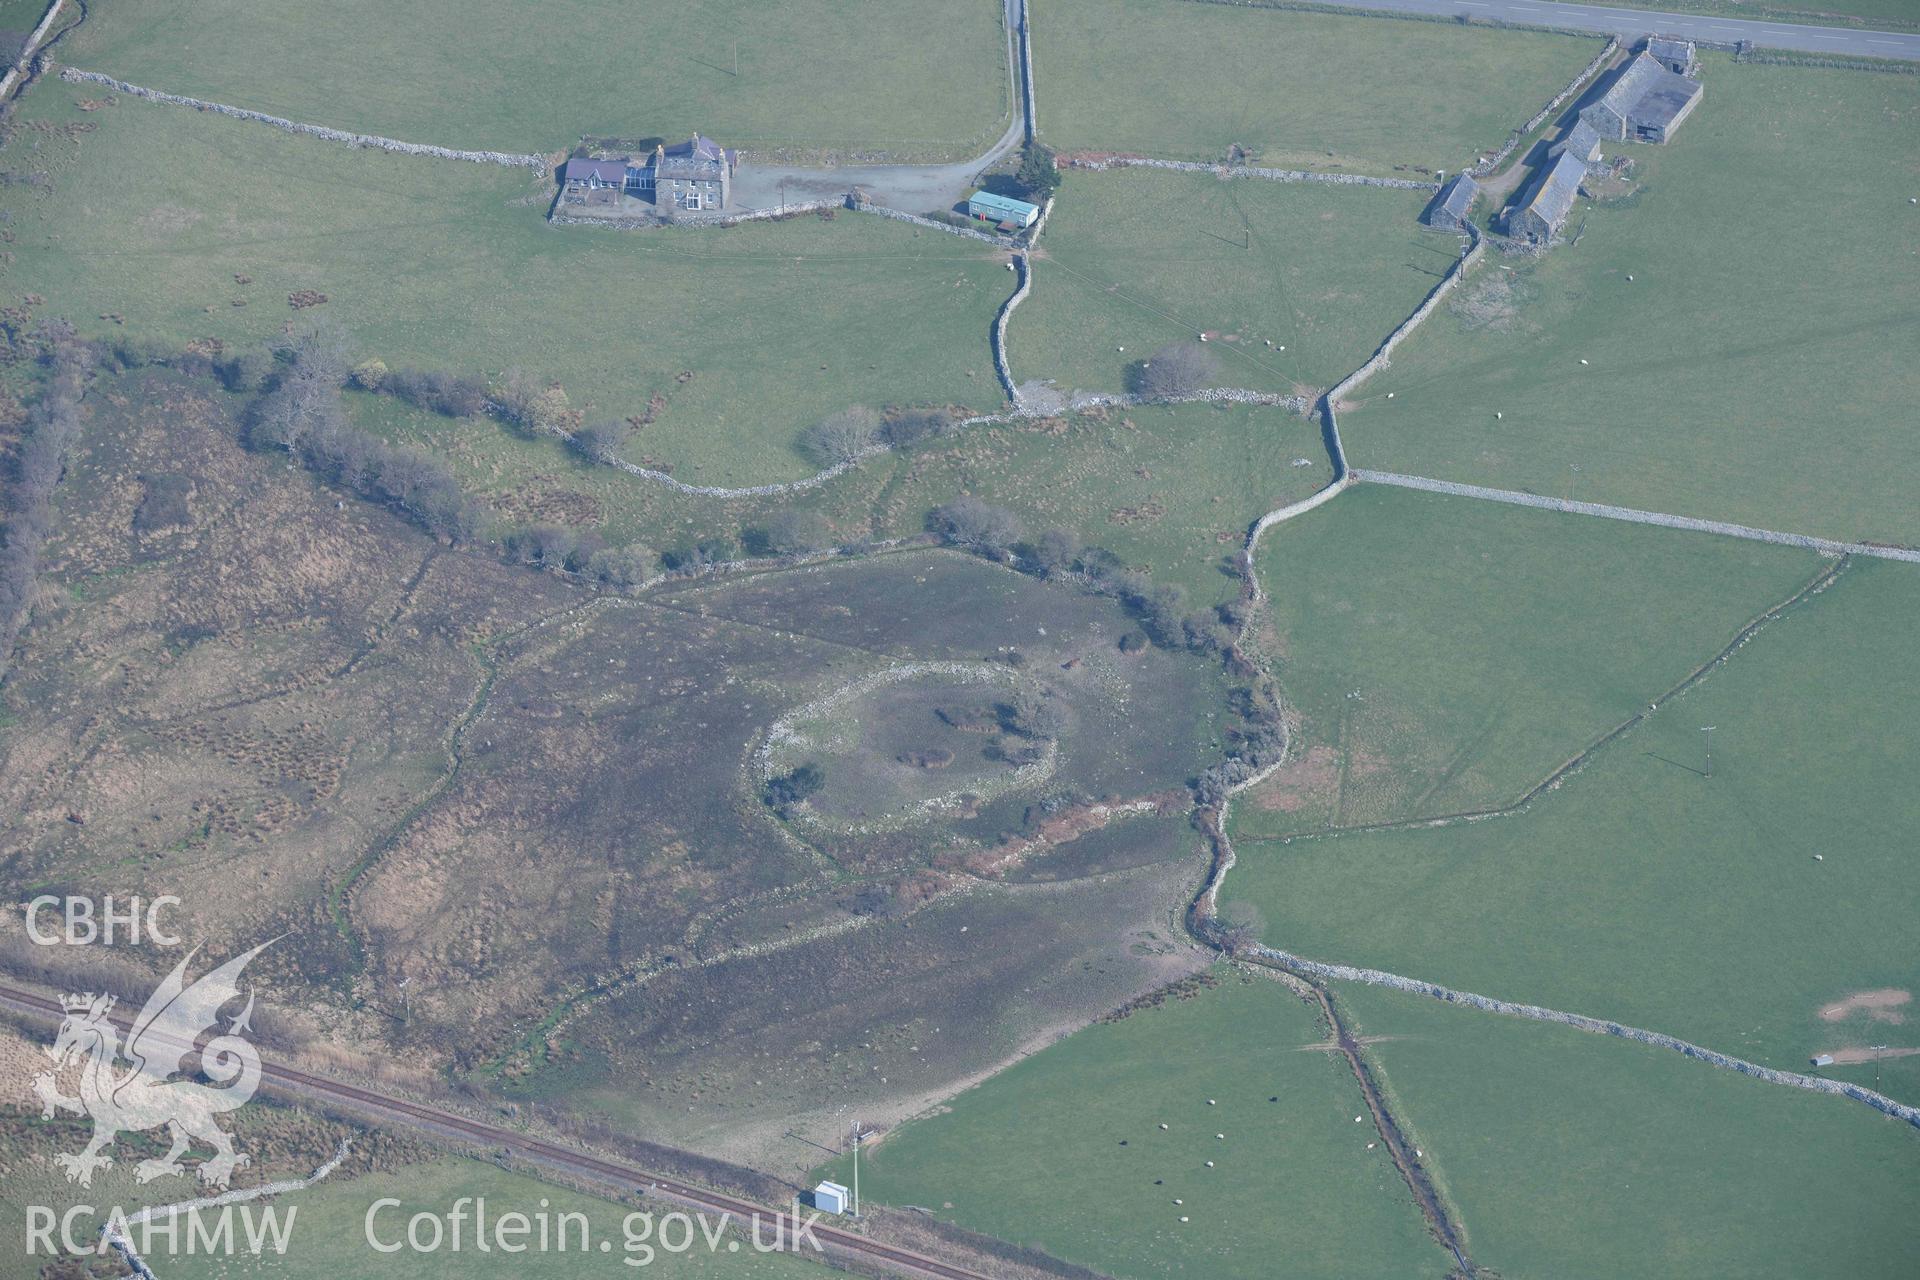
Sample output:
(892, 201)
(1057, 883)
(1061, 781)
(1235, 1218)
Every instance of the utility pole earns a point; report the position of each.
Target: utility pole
(856, 1155)
(1877, 1051)
(1708, 730)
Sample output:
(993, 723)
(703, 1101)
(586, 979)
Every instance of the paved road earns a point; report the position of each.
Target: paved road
(616, 1176)
(1646, 22)
(914, 188)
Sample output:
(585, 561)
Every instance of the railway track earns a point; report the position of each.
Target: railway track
(619, 1176)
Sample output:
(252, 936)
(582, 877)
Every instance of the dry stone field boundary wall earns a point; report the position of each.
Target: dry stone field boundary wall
(867, 206)
(27, 50)
(1001, 364)
(73, 75)
(1499, 157)
(1106, 163)
(1599, 1026)
(792, 210)
(1826, 546)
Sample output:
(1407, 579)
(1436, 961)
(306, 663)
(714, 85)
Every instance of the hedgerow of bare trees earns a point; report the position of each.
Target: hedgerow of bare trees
(1177, 369)
(301, 412)
(52, 427)
(976, 525)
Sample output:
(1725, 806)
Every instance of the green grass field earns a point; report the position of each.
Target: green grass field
(1643, 891)
(1445, 655)
(1137, 258)
(330, 1234)
(1569, 1155)
(747, 334)
(1751, 371)
(1185, 81)
(918, 77)
(1064, 1150)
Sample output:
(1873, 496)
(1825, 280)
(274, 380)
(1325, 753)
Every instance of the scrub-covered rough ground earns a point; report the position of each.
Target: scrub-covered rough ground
(918, 76)
(1445, 655)
(1757, 367)
(1728, 910)
(167, 223)
(1574, 1155)
(1185, 81)
(1098, 1149)
(1171, 489)
(1294, 284)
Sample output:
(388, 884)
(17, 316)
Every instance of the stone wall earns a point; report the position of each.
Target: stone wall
(28, 49)
(1001, 364)
(1246, 171)
(1599, 1026)
(1826, 546)
(74, 75)
(867, 206)
(794, 210)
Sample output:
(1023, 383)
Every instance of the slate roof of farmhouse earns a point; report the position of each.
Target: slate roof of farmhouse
(697, 157)
(1553, 195)
(580, 169)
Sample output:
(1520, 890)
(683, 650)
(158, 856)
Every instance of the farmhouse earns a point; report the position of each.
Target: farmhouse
(1001, 209)
(1452, 208)
(1676, 56)
(1645, 103)
(693, 175)
(1543, 210)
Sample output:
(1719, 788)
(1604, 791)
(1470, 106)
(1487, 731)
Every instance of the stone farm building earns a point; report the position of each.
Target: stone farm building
(691, 176)
(1453, 207)
(1583, 141)
(1645, 103)
(1676, 56)
(1543, 210)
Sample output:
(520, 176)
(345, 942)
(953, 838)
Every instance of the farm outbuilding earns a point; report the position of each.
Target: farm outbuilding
(1582, 142)
(1452, 208)
(989, 207)
(1544, 209)
(1676, 56)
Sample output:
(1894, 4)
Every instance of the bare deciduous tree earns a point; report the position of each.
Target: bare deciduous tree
(1177, 369)
(842, 438)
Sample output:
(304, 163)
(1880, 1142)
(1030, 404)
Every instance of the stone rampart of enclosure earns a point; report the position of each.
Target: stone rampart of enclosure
(867, 206)
(30, 48)
(74, 75)
(644, 223)
(1383, 357)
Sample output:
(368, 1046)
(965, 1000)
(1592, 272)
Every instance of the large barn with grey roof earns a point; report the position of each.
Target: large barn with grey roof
(1645, 103)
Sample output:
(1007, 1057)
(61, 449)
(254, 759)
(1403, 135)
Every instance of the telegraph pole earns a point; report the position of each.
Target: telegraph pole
(856, 1157)
(1708, 730)
(1877, 1051)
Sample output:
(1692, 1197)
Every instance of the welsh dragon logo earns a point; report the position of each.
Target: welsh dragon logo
(154, 1090)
